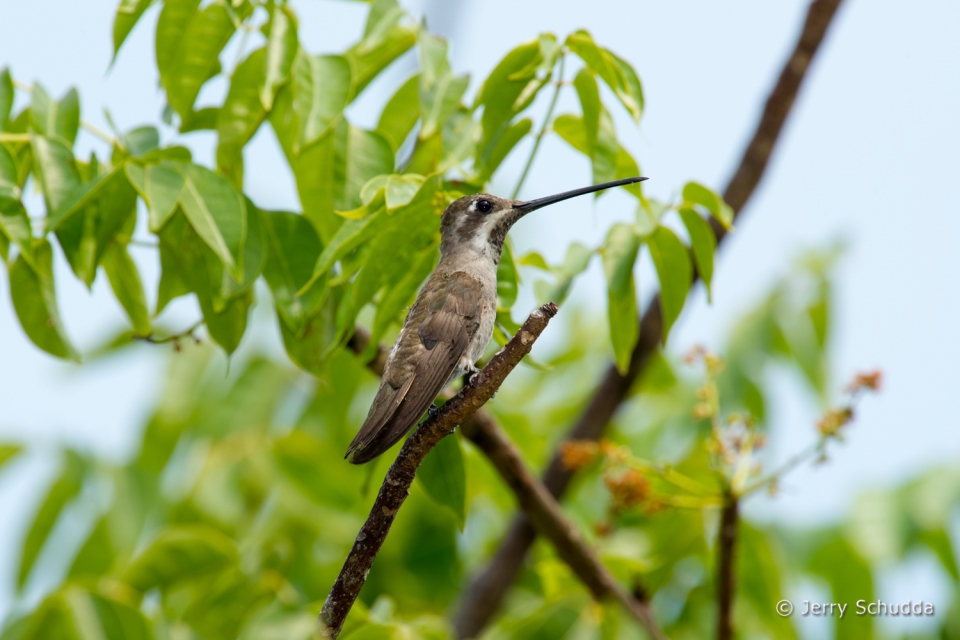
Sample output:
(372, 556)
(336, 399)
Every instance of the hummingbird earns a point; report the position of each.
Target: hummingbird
(448, 327)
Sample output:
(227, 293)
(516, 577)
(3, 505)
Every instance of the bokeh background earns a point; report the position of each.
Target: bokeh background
(869, 161)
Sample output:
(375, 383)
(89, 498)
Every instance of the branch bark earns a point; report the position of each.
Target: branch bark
(485, 592)
(726, 574)
(396, 484)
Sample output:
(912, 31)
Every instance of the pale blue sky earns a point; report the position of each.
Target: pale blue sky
(869, 156)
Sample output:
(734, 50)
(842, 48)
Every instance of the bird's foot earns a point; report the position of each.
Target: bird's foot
(473, 372)
(432, 410)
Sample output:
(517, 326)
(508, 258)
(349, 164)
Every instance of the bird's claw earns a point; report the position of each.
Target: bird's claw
(472, 380)
(432, 410)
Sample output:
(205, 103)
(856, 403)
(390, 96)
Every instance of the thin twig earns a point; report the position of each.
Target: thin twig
(176, 337)
(397, 482)
(726, 573)
(543, 128)
(485, 592)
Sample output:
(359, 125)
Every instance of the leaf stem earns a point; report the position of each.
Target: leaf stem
(14, 137)
(543, 128)
(106, 137)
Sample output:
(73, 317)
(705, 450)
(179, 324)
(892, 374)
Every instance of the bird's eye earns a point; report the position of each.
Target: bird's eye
(484, 206)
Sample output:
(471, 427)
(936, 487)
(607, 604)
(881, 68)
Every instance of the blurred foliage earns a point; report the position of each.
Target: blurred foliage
(234, 515)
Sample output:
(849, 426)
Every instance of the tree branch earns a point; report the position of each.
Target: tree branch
(545, 514)
(396, 484)
(535, 500)
(485, 592)
(726, 575)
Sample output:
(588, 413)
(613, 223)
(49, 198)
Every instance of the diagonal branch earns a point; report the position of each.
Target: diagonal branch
(535, 500)
(546, 516)
(485, 592)
(396, 484)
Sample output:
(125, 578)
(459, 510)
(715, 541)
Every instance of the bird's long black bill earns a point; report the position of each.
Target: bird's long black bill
(533, 205)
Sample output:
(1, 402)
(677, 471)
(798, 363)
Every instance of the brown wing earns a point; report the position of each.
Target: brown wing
(434, 337)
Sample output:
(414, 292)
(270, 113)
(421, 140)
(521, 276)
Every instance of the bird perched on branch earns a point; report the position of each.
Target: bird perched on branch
(450, 324)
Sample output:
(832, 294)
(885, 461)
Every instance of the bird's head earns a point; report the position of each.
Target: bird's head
(479, 223)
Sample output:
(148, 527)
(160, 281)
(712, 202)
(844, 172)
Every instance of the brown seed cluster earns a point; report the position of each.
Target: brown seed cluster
(870, 381)
(628, 489)
(577, 454)
(830, 424)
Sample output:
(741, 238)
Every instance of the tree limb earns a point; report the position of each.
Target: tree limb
(485, 592)
(546, 516)
(396, 484)
(540, 507)
(726, 575)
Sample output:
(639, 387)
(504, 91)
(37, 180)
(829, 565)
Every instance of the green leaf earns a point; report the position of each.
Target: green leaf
(204, 119)
(216, 212)
(511, 87)
(619, 254)
(63, 490)
(614, 71)
(624, 324)
(56, 171)
(574, 263)
(398, 190)
(695, 193)
(309, 349)
(589, 94)
(440, 90)
(850, 579)
(293, 248)
(675, 272)
(189, 41)
(222, 610)
(88, 226)
(444, 477)
(534, 259)
(35, 301)
(365, 154)
(140, 141)
(58, 119)
(282, 45)
(321, 90)
(160, 187)
(15, 228)
(704, 245)
(241, 115)
(938, 541)
(401, 113)
(96, 556)
(6, 97)
(570, 128)
(507, 278)
(180, 553)
(127, 287)
(385, 39)
(189, 264)
(509, 139)
(128, 14)
(9, 451)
